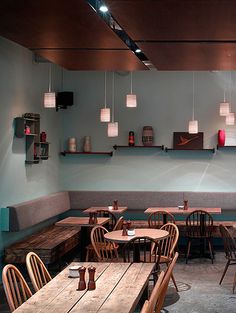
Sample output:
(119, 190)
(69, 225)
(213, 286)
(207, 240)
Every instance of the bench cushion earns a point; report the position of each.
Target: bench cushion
(27, 214)
(50, 244)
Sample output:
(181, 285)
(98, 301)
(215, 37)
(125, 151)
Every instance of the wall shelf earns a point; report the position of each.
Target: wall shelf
(225, 147)
(133, 147)
(192, 150)
(64, 153)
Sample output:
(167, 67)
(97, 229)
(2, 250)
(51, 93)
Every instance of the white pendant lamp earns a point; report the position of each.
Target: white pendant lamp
(230, 118)
(193, 124)
(50, 97)
(224, 106)
(105, 114)
(112, 127)
(131, 99)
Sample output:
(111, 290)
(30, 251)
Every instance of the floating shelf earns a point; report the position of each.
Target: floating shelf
(31, 161)
(64, 153)
(225, 147)
(31, 135)
(133, 147)
(209, 150)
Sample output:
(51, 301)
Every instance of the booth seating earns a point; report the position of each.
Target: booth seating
(51, 243)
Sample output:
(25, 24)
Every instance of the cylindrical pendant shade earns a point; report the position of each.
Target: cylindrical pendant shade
(105, 115)
(193, 127)
(131, 101)
(112, 129)
(224, 108)
(230, 119)
(49, 99)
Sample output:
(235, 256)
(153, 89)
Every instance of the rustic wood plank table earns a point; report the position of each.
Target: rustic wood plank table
(119, 287)
(82, 222)
(120, 210)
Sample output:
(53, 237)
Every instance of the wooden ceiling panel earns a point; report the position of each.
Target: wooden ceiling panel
(176, 19)
(191, 56)
(100, 60)
(55, 24)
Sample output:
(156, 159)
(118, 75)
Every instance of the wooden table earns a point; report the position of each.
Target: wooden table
(176, 210)
(119, 287)
(156, 234)
(120, 210)
(83, 222)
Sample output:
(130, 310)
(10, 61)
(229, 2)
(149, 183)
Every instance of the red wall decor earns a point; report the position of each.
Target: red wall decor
(186, 141)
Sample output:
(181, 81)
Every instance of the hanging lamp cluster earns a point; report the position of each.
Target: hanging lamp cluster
(193, 124)
(50, 96)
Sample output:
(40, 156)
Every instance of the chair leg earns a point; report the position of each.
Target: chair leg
(234, 282)
(210, 250)
(173, 279)
(225, 270)
(188, 250)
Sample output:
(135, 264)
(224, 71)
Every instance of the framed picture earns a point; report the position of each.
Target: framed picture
(186, 141)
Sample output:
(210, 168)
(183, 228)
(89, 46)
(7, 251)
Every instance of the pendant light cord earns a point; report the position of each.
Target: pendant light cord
(50, 77)
(193, 95)
(105, 87)
(131, 83)
(113, 96)
(230, 89)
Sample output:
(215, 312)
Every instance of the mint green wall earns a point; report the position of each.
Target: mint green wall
(165, 102)
(22, 85)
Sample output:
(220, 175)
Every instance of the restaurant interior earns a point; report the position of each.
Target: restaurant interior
(117, 189)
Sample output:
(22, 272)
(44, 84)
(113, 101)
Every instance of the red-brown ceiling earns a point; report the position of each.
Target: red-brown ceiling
(66, 25)
(181, 34)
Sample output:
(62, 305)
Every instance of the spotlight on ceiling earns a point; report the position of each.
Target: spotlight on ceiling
(138, 50)
(103, 8)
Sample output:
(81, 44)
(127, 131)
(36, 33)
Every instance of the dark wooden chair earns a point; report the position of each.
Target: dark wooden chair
(112, 222)
(105, 250)
(16, 289)
(230, 251)
(199, 225)
(159, 218)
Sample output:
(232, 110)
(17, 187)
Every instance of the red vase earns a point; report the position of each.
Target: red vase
(221, 137)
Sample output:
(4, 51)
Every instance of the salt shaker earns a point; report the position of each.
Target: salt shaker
(91, 283)
(124, 232)
(82, 284)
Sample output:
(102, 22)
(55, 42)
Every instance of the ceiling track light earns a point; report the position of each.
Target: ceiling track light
(193, 124)
(131, 99)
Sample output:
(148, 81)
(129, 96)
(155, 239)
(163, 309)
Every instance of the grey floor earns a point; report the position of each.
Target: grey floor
(199, 289)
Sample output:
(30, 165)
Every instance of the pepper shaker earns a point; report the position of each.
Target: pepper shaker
(91, 283)
(128, 224)
(124, 232)
(95, 214)
(82, 284)
(91, 219)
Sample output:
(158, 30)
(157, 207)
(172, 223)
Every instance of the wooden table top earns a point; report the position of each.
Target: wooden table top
(81, 221)
(109, 208)
(116, 235)
(176, 210)
(119, 287)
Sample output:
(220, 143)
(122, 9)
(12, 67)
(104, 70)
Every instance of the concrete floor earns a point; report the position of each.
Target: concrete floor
(199, 289)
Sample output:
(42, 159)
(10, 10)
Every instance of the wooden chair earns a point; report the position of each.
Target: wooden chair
(119, 224)
(104, 249)
(89, 248)
(145, 307)
(159, 218)
(112, 218)
(168, 246)
(38, 273)
(230, 251)
(199, 224)
(16, 289)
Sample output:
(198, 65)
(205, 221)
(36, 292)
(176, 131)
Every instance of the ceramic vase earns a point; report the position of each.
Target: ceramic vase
(147, 136)
(87, 144)
(221, 137)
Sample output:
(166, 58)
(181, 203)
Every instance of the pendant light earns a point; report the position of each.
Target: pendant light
(50, 97)
(230, 118)
(105, 114)
(112, 127)
(193, 124)
(131, 99)
(224, 106)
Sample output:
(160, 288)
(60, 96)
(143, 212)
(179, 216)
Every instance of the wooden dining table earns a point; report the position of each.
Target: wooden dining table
(119, 287)
(119, 210)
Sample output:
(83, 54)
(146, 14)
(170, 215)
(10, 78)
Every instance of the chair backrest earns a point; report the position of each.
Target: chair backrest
(199, 224)
(156, 219)
(142, 249)
(16, 289)
(169, 243)
(145, 307)
(229, 242)
(104, 249)
(38, 273)
(161, 292)
(112, 221)
(119, 224)
(155, 293)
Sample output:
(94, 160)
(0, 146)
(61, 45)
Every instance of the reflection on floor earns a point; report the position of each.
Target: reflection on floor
(199, 289)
